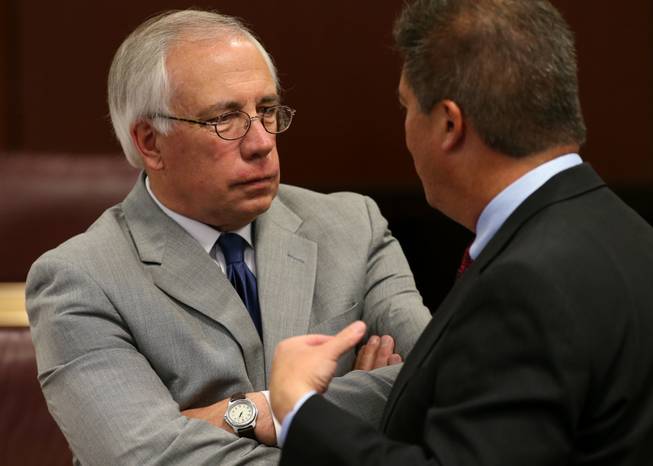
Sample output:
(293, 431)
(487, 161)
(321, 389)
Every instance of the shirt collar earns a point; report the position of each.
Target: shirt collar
(499, 209)
(204, 234)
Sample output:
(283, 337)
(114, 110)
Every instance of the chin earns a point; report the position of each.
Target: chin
(260, 203)
(431, 199)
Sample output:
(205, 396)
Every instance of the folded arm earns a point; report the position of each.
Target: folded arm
(392, 306)
(104, 394)
(505, 385)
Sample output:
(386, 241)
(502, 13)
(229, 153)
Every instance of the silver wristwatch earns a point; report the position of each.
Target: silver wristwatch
(241, 415)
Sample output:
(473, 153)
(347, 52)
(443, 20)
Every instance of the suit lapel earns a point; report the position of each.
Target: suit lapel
(430, 336)
(182, 269)
(570, 183)
(567, 184)
(285, 272)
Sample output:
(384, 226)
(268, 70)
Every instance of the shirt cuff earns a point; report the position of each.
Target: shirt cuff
(277, 426)
(285, 426)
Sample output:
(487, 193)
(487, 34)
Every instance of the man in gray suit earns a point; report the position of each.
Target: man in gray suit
(166, 312)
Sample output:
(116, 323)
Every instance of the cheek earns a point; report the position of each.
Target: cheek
(410, 136)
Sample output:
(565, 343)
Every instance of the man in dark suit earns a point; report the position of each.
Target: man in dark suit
(541, 354)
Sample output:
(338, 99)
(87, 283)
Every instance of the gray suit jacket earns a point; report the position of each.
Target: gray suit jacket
(133, 322)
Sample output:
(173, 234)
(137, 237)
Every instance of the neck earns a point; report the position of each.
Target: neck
(175, 205)
(494, 172)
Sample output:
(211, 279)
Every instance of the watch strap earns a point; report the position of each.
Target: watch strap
(247, 431)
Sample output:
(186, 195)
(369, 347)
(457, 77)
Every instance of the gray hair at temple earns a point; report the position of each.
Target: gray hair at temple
(509, 64)
(139, 85)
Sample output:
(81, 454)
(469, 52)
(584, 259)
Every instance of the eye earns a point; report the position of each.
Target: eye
(268, 110)
(226, 117)
(269, 114)
(228, 121)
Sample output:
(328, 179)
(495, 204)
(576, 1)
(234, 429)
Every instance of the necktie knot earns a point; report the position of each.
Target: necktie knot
(233, 247)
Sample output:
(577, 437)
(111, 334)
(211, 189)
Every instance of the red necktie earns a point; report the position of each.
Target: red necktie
(464, 263)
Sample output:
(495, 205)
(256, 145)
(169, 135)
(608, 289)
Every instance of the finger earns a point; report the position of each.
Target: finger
(316, 339)
(361, 359)
(367, 354)
(310, 339)
(394, 359)
(385, 350)
(345, 340)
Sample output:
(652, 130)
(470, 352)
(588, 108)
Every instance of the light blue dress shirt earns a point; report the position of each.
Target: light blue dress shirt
(504, 204)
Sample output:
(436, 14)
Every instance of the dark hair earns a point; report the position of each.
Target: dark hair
(509, 64)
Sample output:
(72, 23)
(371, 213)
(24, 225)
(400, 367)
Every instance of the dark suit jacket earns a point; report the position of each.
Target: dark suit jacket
(542, 353)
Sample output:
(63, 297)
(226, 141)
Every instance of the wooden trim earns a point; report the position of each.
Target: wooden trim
(5, 65)
(12, 305)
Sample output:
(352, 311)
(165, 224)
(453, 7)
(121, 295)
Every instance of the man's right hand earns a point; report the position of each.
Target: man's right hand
(307, 363)
(377, 352)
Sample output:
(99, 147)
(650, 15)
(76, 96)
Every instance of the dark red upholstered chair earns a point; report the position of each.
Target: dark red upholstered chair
(47, 198)
(44, 200)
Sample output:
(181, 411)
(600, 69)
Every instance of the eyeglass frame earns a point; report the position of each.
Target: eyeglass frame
(217, 119)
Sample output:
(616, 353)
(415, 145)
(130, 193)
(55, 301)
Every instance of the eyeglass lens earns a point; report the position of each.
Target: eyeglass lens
(234, 125)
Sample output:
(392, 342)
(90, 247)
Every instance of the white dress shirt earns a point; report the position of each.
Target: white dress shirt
(207, 236)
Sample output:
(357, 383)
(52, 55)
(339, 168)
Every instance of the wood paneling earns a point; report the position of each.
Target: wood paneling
(338, 69)
(5, 37)
(615, 58)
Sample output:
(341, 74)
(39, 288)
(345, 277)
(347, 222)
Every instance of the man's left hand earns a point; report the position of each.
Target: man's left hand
(377, 352)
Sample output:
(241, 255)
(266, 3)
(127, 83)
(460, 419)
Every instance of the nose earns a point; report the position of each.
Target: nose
(257, 143)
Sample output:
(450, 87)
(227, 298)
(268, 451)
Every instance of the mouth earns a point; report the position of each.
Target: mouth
(256, 182)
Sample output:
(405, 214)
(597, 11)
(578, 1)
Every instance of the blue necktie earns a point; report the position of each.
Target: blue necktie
(233, 247)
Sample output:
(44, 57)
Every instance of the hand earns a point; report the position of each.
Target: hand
(306, 363)
(214, 414)
(377, 352)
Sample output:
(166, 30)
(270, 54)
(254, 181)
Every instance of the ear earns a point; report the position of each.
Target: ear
(144, 136)
(455, 125)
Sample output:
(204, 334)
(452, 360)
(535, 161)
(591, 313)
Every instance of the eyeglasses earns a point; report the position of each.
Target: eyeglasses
(234, 125)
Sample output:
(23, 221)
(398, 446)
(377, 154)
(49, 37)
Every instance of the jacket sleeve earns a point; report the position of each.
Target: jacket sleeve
(103, 393)
(392, 306)
(349, 441)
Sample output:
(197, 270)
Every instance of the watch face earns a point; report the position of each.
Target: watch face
(241, 413)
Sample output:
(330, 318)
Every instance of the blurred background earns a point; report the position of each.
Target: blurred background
(60, 164)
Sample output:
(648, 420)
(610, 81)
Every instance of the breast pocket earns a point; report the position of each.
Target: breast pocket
(332, 326)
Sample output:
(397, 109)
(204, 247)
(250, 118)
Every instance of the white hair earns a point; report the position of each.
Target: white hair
(139, 86)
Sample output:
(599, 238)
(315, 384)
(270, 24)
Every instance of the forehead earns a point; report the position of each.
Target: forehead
(227, 69)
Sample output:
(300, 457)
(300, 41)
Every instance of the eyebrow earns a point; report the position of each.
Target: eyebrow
(233, 105)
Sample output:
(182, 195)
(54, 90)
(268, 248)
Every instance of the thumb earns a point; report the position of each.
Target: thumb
(345, 340)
